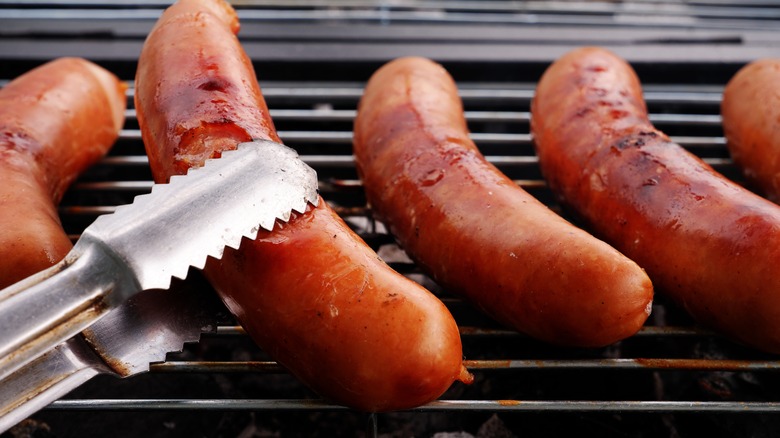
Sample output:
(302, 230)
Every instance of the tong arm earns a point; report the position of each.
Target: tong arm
(46, 309)
(45, 380)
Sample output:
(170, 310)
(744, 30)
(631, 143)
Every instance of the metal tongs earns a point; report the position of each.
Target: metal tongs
(125, 342)
(141, 246)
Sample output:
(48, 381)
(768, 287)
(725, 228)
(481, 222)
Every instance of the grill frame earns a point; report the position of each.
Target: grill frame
(313, 113)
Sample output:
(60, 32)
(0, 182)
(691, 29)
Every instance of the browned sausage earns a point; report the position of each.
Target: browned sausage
(474, 230)
(711, 245)
(311, 293)
(751, 122)
(55, 121)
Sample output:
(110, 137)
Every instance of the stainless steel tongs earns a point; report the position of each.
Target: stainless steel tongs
(125, 342)
(141, 246)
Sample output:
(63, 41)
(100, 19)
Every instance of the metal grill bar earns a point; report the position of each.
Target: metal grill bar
(437, 406)
(503, 365)
(573, 6)
(495, 93)
(331, 115)
(666, 331)
(345, 137)
(732, 18)
(348, 160)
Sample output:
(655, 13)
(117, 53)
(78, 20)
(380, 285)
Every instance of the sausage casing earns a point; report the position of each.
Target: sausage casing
(751, 123)
(311, 293)
(474, 230)
(708, 243)
(55, 121)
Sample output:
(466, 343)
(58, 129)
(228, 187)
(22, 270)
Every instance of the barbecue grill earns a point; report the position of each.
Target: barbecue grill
(312, 58)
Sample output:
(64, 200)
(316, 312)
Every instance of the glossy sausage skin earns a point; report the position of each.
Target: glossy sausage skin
(711, 245)
(474, 230)
(311, 293)
(751, 123)
(55, 121)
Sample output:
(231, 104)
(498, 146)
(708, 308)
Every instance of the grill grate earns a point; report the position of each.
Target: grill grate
(313, 57)
(315, 118)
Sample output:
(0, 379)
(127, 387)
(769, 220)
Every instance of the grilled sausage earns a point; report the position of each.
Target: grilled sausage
(474, 230)
(751, 122)
(55, 121)
(708, 243)
(311, 293)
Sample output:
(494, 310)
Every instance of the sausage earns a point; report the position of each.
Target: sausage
(751, 123)
(474, 230)
(55, 121)
(311, 293)
(709, 244)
